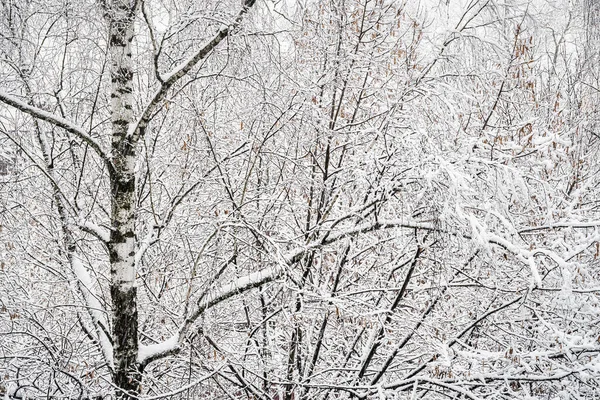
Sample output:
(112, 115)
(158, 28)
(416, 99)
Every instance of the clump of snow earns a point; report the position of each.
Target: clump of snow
(96, 310)
(146, 352)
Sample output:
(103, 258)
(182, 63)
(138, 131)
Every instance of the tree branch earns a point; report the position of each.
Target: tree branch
(183, 69)
(241, 285)
(60, 122)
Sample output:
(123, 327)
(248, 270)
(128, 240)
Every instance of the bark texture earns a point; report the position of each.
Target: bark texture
(122, 237)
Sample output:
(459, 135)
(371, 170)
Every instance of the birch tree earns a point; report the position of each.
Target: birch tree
(121, 345)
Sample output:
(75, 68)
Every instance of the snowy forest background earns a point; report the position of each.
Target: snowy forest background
(312, 199)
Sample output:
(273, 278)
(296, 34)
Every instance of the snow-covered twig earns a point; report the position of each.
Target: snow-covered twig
(181, 70)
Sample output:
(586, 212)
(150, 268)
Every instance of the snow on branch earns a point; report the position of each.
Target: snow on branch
(144, 245)
(94, 307)
(153, 352)
(253, 280)
(147, 353)
(458, 389)
(58, 121)
(183, 388)
(96, 230)
(243, 284)
(560, 225)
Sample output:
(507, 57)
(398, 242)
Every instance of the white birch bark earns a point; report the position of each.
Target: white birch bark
(121, 246)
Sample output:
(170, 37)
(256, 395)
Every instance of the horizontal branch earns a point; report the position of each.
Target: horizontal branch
(560, 225)
(477, 380)
(253, 280)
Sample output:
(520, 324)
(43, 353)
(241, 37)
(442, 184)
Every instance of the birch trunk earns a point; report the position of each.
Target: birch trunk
(122, 238)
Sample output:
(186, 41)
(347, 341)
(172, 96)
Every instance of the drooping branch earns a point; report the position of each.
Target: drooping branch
(60, 122)
(83, 279)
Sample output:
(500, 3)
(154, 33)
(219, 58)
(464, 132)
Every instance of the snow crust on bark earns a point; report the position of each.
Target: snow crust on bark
(95, 308)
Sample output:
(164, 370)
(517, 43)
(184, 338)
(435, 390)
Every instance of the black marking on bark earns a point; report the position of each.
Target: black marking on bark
(116, 40)
(120, 122)
(124, 89)
(125, 334)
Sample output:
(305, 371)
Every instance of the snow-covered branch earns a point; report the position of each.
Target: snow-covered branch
(259, 278)
(58, 121)
(95, 309)
(150, 238)
(181, 70)
(101, 233)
